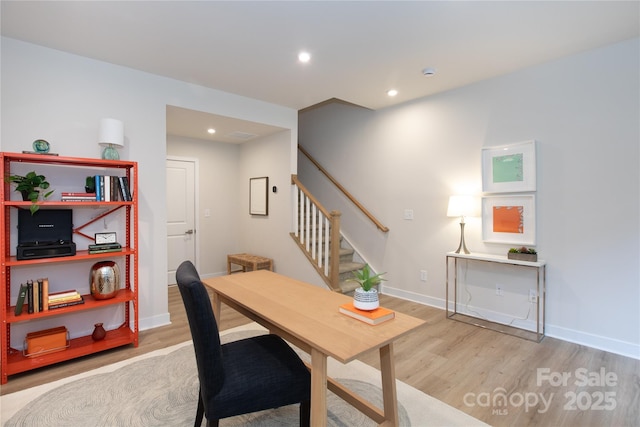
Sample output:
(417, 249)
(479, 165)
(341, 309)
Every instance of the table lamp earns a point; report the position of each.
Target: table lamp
(461, 206)
(111, 135)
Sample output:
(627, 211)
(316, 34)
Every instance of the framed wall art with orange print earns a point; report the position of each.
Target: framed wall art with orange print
(509, 219)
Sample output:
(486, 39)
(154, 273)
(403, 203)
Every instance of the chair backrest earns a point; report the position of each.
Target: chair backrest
(204, 329)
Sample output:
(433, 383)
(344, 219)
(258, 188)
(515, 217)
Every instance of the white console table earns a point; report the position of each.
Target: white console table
(452, 309)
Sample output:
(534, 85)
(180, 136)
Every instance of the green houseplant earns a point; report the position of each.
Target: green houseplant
(366, 296)
(30, 186)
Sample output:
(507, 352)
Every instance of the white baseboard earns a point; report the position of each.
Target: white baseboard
(599, 342)
(154, 321)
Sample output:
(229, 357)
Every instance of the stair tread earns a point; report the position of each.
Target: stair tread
(350, 266)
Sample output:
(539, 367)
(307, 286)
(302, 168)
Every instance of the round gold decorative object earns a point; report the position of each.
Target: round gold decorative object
(104, 280)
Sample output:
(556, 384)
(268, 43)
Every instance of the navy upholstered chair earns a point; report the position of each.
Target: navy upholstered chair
(244, 376)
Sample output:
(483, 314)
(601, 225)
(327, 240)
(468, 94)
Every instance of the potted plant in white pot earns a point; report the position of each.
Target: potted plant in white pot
(366, 296)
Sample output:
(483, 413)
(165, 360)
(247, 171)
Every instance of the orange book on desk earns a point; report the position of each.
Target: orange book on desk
(372, 317)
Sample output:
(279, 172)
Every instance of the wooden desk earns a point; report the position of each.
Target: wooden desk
(308, 317)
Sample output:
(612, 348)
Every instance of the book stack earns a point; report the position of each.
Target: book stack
(64, 299)
(68, 196)
(372, 317)
(36, 297)
(104, 248)
(112, 188)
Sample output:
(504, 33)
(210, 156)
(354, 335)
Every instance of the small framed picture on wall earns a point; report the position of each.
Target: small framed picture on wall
(259, 196)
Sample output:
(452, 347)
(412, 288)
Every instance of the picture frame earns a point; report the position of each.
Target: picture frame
(259, 196)
(509, 219)
(509, 168)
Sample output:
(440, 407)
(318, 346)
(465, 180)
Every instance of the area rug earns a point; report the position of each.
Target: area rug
(161, 389)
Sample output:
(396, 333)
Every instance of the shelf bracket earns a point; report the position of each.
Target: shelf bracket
(107, 213)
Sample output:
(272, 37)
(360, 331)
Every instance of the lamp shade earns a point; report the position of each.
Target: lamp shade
(461, 206)
(111, 132)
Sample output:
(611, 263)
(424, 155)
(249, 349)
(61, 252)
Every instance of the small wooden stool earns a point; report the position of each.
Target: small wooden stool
(248, 262)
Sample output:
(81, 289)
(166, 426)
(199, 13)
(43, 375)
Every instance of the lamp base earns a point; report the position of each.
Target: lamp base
(110, 153)
(462, 247)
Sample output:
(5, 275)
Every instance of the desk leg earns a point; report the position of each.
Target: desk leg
(389, 395)
(216, 306)
(318, 388)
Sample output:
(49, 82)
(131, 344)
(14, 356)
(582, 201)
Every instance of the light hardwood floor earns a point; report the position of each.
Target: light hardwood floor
(464, 366)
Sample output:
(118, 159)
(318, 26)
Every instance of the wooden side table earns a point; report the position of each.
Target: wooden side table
(248, 262)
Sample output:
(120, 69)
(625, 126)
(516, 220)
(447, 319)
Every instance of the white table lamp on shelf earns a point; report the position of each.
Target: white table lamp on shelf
(111, 135)
(461, 206)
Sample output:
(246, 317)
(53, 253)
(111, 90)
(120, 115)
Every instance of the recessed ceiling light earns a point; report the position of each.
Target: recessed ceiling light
(304, 57)
(211, 131)
(392, 92)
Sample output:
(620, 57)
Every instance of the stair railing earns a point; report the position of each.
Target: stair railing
(317, 233)
(344, 191)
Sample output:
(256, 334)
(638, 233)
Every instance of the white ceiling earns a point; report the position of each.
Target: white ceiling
(359, 49)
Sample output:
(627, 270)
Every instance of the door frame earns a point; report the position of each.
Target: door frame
(196, 199)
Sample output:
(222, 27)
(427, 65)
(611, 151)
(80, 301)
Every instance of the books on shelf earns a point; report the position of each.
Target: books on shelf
(68, 196)
(372, 317)
(66, 303)
(102, 248)
(111, 188)
(63, 296)
(30, 296)
(22, 297)
(35, 294)
(64, 299)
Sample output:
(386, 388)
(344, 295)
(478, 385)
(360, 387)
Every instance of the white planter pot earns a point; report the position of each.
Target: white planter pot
(366, 300)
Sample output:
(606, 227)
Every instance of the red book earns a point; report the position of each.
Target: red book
(68, 193)
(372, 317)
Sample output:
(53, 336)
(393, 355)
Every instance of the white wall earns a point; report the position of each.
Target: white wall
(584, 112)
(61, 97)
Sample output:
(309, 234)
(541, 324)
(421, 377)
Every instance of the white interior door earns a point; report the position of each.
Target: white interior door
(181, 223)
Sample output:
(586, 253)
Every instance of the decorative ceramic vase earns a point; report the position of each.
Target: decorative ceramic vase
(98, 332)
(41, 146)
(366, 300)
(104, 280)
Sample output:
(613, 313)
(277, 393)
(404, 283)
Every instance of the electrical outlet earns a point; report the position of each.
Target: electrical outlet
(423, 275)
(499, 291)
(533, 295)
(408, 214)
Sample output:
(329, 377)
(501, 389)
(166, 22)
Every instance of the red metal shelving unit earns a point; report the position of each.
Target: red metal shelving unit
(12, 361)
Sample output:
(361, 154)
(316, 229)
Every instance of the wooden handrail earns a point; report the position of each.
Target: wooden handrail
(344, 191)
(296, 181)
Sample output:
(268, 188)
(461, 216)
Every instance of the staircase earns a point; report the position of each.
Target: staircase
(346, 267)
(315, 232)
